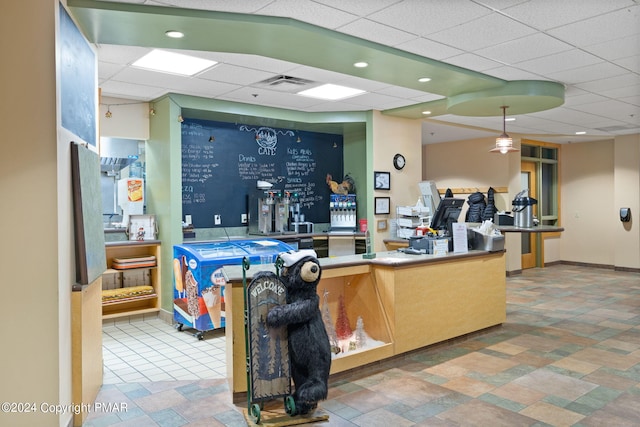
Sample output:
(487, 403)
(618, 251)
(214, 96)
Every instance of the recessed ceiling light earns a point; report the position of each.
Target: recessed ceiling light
(174, 63)
(361, 64)
(426, 113)
(581, 133)
(174, 34)
(331, 92)
(424, 79)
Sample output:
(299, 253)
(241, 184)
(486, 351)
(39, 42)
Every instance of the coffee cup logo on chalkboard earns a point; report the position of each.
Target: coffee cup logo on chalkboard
(267, 138)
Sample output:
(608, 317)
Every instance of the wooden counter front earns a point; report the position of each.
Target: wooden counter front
(406, 302)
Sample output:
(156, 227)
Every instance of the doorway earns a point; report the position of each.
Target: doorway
(529, 179)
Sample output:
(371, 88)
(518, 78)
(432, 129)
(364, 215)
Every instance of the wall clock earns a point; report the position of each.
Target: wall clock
(399, 161)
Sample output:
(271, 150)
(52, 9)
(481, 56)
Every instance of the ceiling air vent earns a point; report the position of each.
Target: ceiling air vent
(285, 83)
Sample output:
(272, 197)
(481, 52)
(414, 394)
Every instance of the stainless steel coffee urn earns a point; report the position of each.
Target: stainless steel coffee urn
(522, 208)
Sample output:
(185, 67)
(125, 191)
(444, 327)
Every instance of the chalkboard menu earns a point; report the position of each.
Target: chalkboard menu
(222, 163)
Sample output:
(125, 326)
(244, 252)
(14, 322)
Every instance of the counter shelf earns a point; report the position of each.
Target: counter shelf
(145, 291)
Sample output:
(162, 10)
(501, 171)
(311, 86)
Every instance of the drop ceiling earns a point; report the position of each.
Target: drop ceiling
(562, 66)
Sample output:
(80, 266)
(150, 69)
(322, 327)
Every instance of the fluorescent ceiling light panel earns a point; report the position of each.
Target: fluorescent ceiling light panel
(331, 92)
(173, 63)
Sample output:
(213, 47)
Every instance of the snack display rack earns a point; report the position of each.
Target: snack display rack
(131, 283)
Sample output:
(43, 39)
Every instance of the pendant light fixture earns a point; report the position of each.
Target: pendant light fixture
(504, 143)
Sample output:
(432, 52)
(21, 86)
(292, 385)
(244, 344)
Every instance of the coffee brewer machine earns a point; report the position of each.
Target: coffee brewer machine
(268, 211)
(342, 209)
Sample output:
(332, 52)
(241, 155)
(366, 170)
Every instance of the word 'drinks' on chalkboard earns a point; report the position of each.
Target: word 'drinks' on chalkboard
(222, 163)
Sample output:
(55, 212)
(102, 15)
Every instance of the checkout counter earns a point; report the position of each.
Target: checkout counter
(404, 301)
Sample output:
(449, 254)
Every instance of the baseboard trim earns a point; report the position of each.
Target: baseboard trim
(588, 264)
(581, 264)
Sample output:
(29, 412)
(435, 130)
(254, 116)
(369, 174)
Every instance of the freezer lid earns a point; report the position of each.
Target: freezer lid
(234, 248)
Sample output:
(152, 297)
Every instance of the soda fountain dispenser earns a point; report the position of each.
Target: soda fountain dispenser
(342, 209)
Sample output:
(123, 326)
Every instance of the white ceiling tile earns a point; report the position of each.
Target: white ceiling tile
(358, 7)
(377, 99)
(207, 88)
(429, 48)
(106, 70)
(258, 62)
(376, 32)
(568, 60)
(608, 83)
(317, 75)
(403, 92)
(269, 98)
(483, 32)
(131, 90)
(311, 12)
(428, 16)
(524, 48)
(427, 97)
(436, 132)
(611, 26)
(582, 99)
(633, 99)
(149, 78)
(552, 14)
(616, 49)
(360, 83)
(587, 73)
(511, 73)
(244, 6)
(234, 74)
(336, 106)
(472, 62)
(569, 116)
(612, 109)
(630, 63)
(117, 54)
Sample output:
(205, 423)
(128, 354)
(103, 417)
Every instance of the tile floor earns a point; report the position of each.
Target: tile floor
(152, 350)
(568, 355)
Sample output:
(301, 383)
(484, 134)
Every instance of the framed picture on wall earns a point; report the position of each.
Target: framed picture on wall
(382, 180)
(382, 205)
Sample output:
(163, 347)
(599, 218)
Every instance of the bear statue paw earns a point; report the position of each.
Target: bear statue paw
(274, 317)
(304, 408)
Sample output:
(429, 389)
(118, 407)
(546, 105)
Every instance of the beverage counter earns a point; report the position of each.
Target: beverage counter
(404, 302)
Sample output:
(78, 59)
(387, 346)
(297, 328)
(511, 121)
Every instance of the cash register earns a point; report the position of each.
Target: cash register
(445, 215)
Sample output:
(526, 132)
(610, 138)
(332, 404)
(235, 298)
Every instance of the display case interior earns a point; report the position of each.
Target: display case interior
(355, 320)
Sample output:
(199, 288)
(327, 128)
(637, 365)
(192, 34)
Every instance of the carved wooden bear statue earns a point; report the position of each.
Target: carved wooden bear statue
(309, 348)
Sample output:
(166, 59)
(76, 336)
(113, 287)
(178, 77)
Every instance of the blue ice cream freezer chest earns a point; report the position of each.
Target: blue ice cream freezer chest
(198, 282)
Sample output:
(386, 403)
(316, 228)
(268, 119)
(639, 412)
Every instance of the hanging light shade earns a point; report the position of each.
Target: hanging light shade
(504, 143)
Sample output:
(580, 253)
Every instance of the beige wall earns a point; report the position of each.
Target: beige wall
(469, 164)
(626, 179)
(129, 119)
(36, 256)
(392, 135)
(586, 174)
(596, 179)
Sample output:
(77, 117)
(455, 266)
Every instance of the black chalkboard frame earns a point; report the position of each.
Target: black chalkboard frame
(222, 162)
